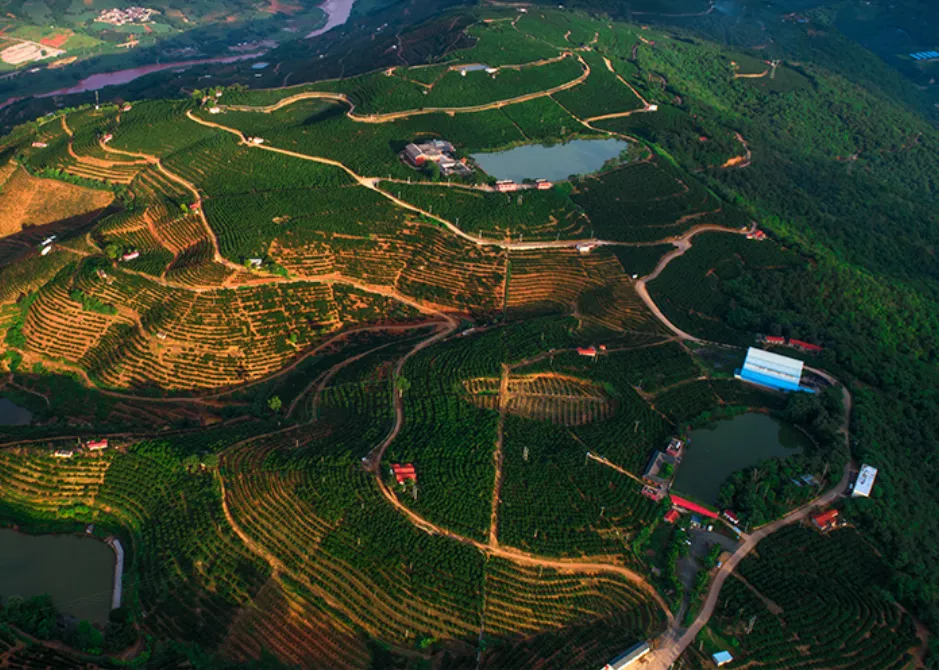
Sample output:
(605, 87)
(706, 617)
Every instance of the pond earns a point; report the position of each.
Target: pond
(77, 571)
(13, 415)
(728, 445)
(554, 163)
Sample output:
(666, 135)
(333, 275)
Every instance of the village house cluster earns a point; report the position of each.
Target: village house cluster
(120, 17)
(440, 152)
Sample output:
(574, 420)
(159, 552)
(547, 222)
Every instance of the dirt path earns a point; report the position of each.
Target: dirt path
(682, 245)
(397, 116)
(621, 470)
(497, 457)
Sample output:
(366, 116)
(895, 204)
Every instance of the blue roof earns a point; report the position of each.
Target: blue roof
(722, 657)
(766, 380)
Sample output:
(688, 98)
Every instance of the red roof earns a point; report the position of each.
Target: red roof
(730, 516)
(693, 507)
(825, 518)
(772, 339)
(587, 351)
(404, 472)
(97, 444)
(672, 516)
(805, 345)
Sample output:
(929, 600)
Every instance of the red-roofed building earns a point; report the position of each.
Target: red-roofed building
(404, 472)
(653, 493)
(772, 339)
(805, 346)
(96, 445)
(825, 520)
(730, 516)
(587, 351)
(672, 516)
(693, 507)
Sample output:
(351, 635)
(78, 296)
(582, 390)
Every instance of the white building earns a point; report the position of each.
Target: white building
(771, 370)
(628, 657)
(865, 482)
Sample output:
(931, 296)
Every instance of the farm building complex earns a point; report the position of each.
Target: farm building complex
(772, 370)
(440, 152)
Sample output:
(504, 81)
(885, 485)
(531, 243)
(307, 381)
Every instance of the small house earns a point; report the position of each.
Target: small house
(675, 447)
(404, 472)
(126, 107)
(865, 482)
(806, 346)
(586, 247)
(215, 109)
(414, 155)
(256, 262)
(107, 138)
(732, 517)
(45, 250)
(825, 521)
(96, 445)
(590, 352)
(672, 516)
(256, 140)
(506, 186)
(774, 340)
(653, 493)
(543, 184)
(721, 658)
(39, 145)
(130, 256)
(63, 453)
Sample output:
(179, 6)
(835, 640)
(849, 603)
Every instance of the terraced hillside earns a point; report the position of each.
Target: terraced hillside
(369, 406)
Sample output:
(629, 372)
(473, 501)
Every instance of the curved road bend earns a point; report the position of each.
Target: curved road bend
(396, 116)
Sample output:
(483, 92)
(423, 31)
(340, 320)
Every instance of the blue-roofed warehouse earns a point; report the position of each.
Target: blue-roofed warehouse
(772, 370)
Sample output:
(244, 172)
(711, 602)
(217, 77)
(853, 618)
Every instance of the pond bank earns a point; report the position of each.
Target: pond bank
(77, 570)
(731, 444)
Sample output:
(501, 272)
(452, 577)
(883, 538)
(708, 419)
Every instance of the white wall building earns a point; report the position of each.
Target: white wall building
(865, 482)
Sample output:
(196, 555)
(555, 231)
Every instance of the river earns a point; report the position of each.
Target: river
(337, 13)
(77, 571)
(13, 415)
(728, 445)
(554, 163)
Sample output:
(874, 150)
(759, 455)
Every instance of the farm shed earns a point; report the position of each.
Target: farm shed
(404, 472)
(414, 155)
(771, 370)
(671, 516)
(825, 520)
(721, 658)
(865, 482)
(693, 507)
(628, 657)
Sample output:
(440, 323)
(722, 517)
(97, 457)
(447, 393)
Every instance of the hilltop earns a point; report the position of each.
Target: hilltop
(266, 299)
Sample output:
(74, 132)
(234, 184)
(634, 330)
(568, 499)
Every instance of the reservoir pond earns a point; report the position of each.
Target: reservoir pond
(554, 163)
(77, 571)
(727, 445)
(13, 415)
